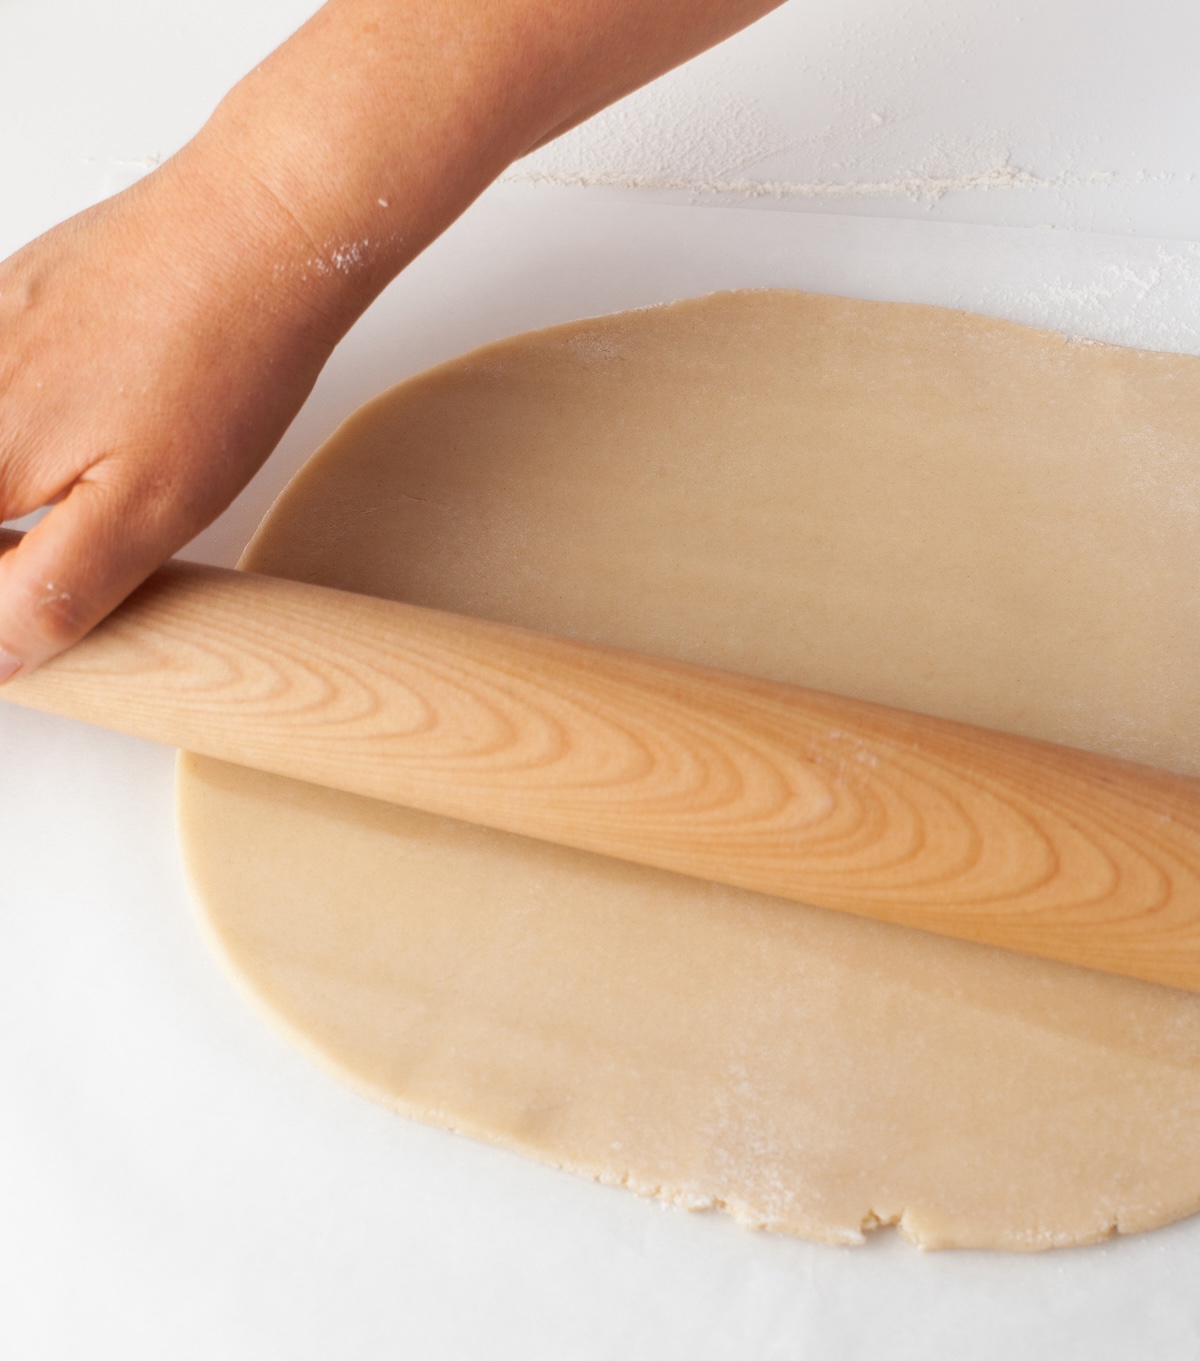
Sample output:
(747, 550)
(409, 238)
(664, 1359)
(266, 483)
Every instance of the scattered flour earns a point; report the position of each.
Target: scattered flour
(918, 187)
(1143, 294)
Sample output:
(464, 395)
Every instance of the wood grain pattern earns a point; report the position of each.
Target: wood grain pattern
(791, 792)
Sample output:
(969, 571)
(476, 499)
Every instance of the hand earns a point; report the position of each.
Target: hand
(155, 348)
(150, 359)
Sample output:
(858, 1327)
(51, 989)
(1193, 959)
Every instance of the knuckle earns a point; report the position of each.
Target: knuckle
(54, 617)
(39, 622)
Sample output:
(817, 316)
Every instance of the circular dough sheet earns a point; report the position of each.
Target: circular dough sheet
(915, 506)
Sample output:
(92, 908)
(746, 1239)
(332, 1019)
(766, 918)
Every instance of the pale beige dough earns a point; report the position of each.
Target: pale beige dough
(911, 505)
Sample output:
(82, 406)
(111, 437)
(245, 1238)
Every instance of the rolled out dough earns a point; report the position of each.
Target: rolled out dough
(915, 506)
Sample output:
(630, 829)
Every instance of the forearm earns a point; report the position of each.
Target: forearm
(362, 138)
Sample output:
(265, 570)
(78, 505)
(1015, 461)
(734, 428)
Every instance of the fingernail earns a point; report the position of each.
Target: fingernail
(9, 666)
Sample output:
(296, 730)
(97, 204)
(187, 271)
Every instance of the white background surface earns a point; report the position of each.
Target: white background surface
(174, 1181)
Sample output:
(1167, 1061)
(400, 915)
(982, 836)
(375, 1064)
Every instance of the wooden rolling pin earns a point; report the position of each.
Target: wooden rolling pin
(808, 796)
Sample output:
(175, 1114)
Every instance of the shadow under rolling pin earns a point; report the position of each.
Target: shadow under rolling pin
(808, 796)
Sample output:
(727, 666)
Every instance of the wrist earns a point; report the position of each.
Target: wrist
(356, 143)
(233, 247)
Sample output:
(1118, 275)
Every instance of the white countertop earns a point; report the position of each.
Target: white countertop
(174, 1180)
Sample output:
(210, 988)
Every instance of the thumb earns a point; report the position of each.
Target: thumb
(69, 571)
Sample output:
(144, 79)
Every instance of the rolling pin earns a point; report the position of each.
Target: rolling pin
(807, 796)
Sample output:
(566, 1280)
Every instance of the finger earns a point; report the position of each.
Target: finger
(71, 569)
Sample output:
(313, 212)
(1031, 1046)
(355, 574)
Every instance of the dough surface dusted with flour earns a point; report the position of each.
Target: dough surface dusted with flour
(915, 506)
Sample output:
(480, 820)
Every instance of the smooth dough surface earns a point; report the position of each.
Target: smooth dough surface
(916, 506)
